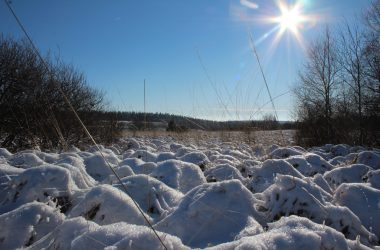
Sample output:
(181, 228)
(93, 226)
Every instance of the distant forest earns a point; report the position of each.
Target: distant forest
(136, 121)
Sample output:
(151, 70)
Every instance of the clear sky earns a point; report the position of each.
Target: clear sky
(195, 55)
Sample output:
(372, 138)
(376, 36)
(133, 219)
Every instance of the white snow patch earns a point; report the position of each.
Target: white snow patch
(179, 175)
(212, 214)
(27, 224)
(105, 205)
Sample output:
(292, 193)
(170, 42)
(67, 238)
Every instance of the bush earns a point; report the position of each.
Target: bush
(33, 110)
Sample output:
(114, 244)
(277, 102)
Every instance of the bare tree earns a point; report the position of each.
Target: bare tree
(353, 62)
(372, 17)
(317, 85)
(372, 70)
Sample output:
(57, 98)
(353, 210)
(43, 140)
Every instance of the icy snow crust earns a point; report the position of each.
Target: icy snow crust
(196, 194)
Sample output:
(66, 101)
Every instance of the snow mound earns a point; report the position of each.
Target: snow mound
(246, 167)
(5, 153)
(105, 205)
(183, 151)
(197, 158)
(222, 172)
(373, 178)
(48, 184)
(343, 160)
(347, 174)
(73, 160)
(125, 236)
(76, 166)
(174, 147)
(321, 182)
(153, 196)
(302, 165)
(340, 150)
(48, 157)
(144, 155)
(63, 235)
(97, 166)
(364, 201)
(293, 196)
(123, 171)
(165, 156)
(144, 168)
(318, 163)
(6, 171)
(132, 143)
(179, 175)
(27, 224)
(25, 160)
(282, 153)
(369, 158)
(236, 154)
(263, 176)
(133, 163)
(212, 214)
(81, 179)
(293, 233)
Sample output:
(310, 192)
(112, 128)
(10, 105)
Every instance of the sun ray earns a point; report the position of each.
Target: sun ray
(292, 19)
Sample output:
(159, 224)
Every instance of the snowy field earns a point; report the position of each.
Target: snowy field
(201, 193)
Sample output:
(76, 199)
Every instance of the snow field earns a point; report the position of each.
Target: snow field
(198, 194)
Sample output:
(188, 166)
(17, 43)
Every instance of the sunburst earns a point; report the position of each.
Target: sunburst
(292, 19)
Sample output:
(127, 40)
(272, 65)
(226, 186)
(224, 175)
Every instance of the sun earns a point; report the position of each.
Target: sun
(290, 19)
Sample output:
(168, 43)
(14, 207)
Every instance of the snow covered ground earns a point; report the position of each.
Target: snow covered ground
(201, 193)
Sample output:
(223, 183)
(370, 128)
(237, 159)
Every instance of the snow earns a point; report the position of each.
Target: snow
(197, 158)
(154, 197)
(281, 153)
(64, 234)
(222, 172)
(364, 201)
(105, 204)
(369, 158)
(97, 167)
(144, 155)
(179, 175)
(303, 166)
(340, 150)
(373, 178)
(165, 156)
(123, 171)
(5, 153)
(348, 174)
(318, 163)
(25, 160)
(292, 196)
(197, 192)
(293, 233)
(212, 214)
(264, 175)
(48, 183)
(124, 236)
(27, 224)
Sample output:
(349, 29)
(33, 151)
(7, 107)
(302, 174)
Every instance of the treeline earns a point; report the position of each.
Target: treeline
(338, 90)
(182, 123)
(33, 110)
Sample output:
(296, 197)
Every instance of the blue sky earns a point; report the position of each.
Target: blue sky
(195, 55)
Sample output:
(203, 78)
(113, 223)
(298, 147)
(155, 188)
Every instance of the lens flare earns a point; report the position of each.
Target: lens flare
(291, 19)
